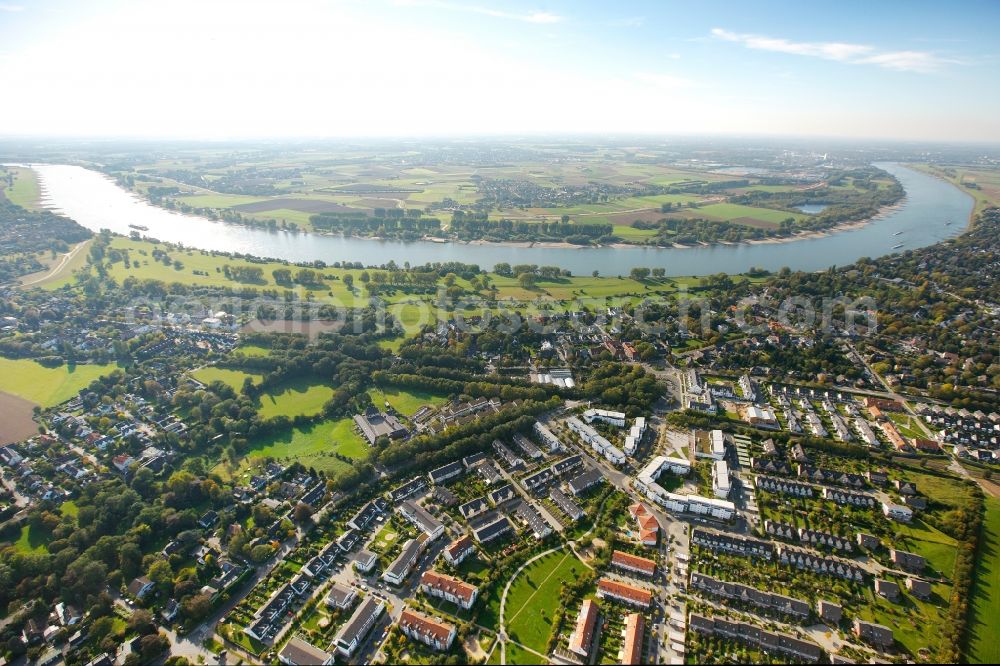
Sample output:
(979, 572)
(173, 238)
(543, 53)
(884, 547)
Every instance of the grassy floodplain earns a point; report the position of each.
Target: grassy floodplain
(25, 191)
(196, 268)
(982, 184)
(391, 183)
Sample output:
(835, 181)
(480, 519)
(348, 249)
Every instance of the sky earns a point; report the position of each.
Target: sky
(224, 69)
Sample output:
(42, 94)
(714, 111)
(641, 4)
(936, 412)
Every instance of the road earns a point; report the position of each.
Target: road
(549, 518)
(892, 394)
(58, 268)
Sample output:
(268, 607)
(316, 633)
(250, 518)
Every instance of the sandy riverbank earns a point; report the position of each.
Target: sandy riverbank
(822, 233)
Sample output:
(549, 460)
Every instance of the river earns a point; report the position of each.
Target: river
(97, 202)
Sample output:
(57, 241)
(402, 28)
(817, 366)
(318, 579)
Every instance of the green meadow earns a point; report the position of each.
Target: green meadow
(983, 647)
(47, 386)
(24, 192)
(405, 401)
(296, 398)
(312, 446)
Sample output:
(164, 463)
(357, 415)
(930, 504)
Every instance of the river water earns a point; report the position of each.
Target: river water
(97, 202)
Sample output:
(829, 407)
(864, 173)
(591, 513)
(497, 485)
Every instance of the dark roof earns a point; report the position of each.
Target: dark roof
(487, 531)
(446, 472)
(354, 629)
(585, 480)
(298, 651)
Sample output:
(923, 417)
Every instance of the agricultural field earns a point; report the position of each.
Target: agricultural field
(744, 214)
(47, 386)
(18, 418)
(622, 186)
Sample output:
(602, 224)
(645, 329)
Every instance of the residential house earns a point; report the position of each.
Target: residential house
(887, 589)
(427, 630)
(632, 595)
(449, 588)
(633, 563)
(878, 635)
(299, 652)
(633, 638)
(829, 611)
(354, 631)
(459, 549)
(140, 587)
(341, 596)
(582, 638)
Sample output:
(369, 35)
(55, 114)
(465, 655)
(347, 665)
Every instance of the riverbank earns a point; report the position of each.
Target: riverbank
(980, 197)
(97, 203)
(515, 244)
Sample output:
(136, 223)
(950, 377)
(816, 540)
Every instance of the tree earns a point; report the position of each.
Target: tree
(349, 281)
(141, 621)
(303, 512)
(153, 646)
(197, 606)
(639, 273)
(161, 573)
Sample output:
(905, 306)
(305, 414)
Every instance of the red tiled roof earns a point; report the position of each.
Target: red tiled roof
(425, 625)
(638, 509)
(619, 590)
(635, 626)
(649, 523)
(628, 560)
(648, 536)
(585, 623)
(459, 545)
(449, 584)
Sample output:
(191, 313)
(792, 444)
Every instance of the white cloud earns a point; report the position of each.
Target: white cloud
(4, 7)
(856, 54)
(538, 17)
(908, 61)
